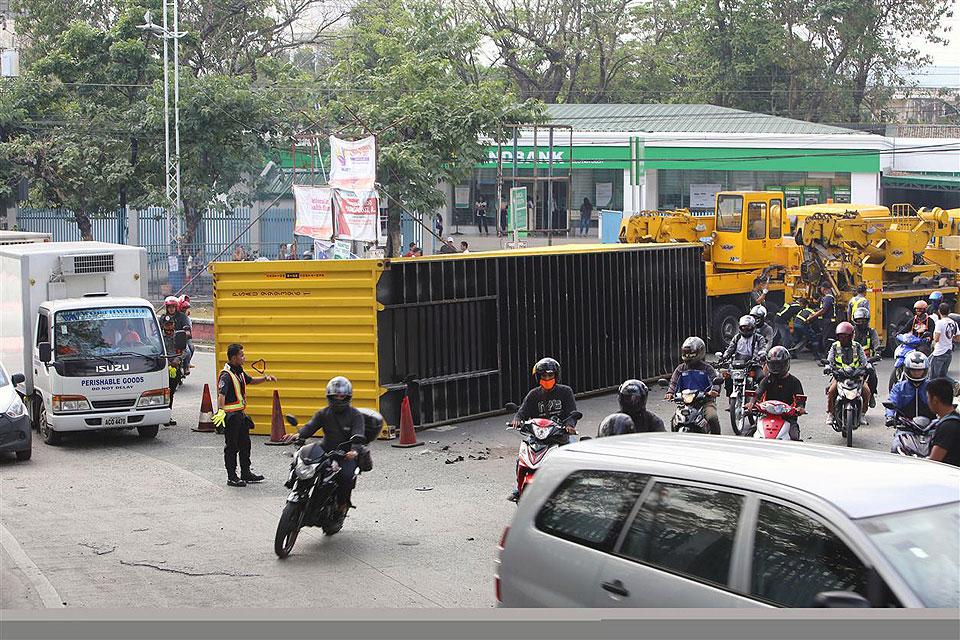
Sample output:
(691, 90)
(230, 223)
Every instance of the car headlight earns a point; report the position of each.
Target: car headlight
(306, 471)
(68, 404)
(16, 409)
(154, 398)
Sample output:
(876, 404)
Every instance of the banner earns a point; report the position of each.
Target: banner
(358, 215)
(353, 164)
(704, 196)
(518, 209)
(314, 211)
(604, 193)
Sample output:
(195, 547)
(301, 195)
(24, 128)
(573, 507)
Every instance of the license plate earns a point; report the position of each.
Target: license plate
(117, 421)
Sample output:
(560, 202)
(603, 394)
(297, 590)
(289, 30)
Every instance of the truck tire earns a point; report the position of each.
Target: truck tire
(148, 432)
(724, 326)
(49, 436)
(24, 455)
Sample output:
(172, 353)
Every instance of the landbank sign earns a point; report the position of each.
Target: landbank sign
(583, 157)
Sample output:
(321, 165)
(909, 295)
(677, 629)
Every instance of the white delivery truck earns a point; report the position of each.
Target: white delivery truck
(74, 321)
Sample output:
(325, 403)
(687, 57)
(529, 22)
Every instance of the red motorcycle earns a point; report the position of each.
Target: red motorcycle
(773, 417)
(540, 436)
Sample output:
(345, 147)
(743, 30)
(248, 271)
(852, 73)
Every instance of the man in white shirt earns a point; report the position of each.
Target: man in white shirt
(945, 333)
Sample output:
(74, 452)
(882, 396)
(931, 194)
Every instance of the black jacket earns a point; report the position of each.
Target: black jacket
(645, 422)
(337, 427)
(556, 404)
(782, 388)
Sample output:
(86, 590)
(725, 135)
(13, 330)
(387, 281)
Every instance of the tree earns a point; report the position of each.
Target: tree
(398, 77)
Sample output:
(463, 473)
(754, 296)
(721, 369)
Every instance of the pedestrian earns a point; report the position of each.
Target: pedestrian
(438, 224)
(945, 333)
(418, 253)
(782, 319)
(448, 246)
(480, 212)
(293, 251)
(282, 252)
(503, 221)
(586, 213)
(239, 255)
(857, 301)
(759, 293)
(946, 441)
(825, 318)
(410, 250)
(231, 417)
(464, 247)
(805, 330)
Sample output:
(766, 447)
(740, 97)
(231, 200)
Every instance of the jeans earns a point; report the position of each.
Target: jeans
(482, 225)
(236, 435)
(584, 225)
(940, 366)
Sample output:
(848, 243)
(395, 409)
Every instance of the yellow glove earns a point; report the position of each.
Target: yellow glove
(220, 418)
(172, 372)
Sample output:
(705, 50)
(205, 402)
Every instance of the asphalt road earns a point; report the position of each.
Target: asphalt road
(110, 520)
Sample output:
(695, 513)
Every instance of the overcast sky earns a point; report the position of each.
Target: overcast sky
(949, 54)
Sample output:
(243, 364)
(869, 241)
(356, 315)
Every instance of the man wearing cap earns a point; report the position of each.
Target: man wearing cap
(448, 246)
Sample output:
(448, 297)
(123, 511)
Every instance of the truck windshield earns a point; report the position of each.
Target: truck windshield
(729, 213)
(106, 331)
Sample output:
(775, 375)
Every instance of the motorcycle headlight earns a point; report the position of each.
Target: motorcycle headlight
(688, 396)
(16, 409)
(306, 471)
(849, 394)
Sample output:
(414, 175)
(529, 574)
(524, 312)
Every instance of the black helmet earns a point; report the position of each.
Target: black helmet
(759, 313)
(546, 365)
(633, 396)
(615, 424)
(778, 361)
(339, 393)
(861, 288)
(694, 349)
(861, 317)
(747, 325)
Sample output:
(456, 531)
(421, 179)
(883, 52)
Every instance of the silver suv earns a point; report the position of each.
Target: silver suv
(660, 520)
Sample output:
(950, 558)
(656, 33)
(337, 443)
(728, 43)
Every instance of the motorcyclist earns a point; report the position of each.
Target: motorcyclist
(184, 308)
(168, 326)
(934, 302)
(339, 422)
(695, 373)
(844, 353)
(764, 328)
(747, 345)
(921, 325)
(868, 338)
(910, 394)
(779, 384)
(171, 307)
(632, 397)
(615, 424)
(549, 399)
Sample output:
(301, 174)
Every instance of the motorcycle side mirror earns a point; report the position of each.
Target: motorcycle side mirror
(889, 405)
(511, 406)
(840, 600)
(576, 415)
(180, 340)
(662, 382)
(718, 380)
(358, 439)
(291, 420)
(874, 359)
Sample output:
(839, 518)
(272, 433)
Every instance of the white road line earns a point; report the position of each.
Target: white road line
(48, 595)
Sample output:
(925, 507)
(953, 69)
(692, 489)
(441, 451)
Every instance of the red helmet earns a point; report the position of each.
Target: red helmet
(184, 304)
(171, 300)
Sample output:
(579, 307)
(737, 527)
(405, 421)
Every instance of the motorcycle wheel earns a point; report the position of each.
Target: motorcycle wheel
(333, 522)
(736, 415)
(287, 529)
(850, 421)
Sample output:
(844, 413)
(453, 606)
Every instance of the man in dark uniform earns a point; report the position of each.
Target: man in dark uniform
(232, 400)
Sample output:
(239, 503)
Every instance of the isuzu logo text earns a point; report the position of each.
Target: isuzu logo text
(110, 368)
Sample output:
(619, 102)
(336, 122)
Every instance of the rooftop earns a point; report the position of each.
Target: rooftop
(680, 118)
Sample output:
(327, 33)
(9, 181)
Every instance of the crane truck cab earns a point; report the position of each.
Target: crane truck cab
(749, 225)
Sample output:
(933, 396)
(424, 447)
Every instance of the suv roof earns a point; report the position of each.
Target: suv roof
(860, 483)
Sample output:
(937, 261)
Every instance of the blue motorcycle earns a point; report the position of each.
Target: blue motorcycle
(907, 343)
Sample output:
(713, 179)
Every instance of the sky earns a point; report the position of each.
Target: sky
(948, 55)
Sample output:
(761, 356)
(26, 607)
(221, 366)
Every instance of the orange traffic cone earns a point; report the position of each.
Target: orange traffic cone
(205, 423)
(408, 435)
(276, 422)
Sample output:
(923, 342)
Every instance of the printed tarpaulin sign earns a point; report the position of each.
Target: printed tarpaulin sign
(314, 208)
(353, 164)
(358, 215)
(107, 313)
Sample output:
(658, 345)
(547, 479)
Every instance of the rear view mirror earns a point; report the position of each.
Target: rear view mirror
(291, 420)
(663, 382)
(511, 406)
(889, 405)
(18, 378)
(840, 600)
(46, 353)
(576, 415)
(358, 439)
(180, 340)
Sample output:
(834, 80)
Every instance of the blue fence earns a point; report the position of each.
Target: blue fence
(108, 226)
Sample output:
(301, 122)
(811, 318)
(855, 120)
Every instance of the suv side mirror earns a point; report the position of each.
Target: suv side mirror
(180, 340)
(18, 378)
(840, 600)
(46, 353)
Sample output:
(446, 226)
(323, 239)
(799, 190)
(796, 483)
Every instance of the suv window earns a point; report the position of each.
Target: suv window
(689, 530)
(43, 329)
(590, 507)
(796, 557)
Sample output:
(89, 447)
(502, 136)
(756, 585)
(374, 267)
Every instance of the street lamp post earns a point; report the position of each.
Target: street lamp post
(172, 159)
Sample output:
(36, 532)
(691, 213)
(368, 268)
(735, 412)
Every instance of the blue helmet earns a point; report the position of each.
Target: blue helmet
(935, 299)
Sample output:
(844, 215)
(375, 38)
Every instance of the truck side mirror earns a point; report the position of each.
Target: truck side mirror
(180, 340)
(46, 353)
(18, 378)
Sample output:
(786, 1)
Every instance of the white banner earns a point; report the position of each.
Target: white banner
(604, 194)
(704, 196)
(314, 211)
(358, 216)
(353, 164)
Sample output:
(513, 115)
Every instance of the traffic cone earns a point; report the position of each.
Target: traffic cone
(276, 422)
(408, 435)
(205, 423)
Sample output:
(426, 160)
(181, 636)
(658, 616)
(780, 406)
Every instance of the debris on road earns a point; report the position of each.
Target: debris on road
(453, 460)
(99, 549)
(424, 489)
(409, 543)
(184, 572)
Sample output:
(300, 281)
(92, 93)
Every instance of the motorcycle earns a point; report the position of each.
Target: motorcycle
(848, 408)
(312, 499)
(539, 437)
(743, 374)
(772, 417)
(907, 343)
(690, 416)
(913, 436)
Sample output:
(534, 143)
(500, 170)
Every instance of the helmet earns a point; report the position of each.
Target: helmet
(171, 300)
(915, 366)
(759, 312)
(546, 365)
(861, 317)
(339, 393)
(778, 361)
(693, 350)
(920, 306)
(633, 396)
(184, 305)
(936, 298)
(747, 325)
(615, 424)
(167, 323)
(844, 330)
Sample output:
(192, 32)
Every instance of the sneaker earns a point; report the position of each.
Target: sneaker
(829, 421)
(514, 495)
(249, 476)
(863, 421)
(873, 401)
(235, 482)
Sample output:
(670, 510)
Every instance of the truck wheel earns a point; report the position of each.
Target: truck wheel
(49, 436)
(724, 326)
(148, 432)
(23, 456)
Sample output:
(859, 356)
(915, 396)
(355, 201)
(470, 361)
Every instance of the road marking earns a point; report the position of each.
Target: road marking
(48, 595)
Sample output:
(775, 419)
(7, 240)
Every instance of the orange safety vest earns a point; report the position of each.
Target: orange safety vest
(241, 403)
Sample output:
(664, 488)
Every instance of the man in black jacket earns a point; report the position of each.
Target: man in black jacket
(779, 384)
(633, 402)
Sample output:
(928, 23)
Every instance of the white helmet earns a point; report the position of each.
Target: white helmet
(915, 366)
(759, 313)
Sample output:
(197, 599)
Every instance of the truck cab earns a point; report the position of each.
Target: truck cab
(749, 226)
